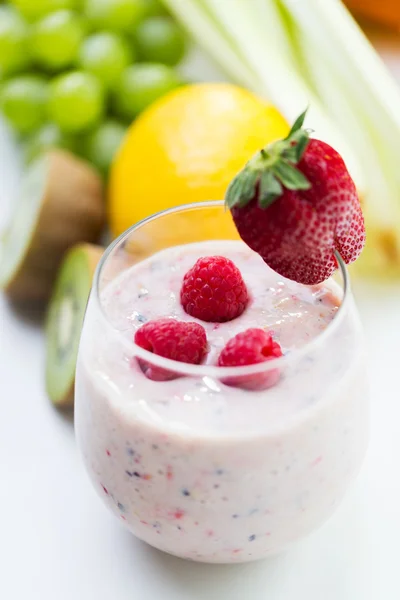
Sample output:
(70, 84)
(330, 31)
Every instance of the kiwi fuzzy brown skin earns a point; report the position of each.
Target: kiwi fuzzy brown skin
(92, 254)
(72, 211)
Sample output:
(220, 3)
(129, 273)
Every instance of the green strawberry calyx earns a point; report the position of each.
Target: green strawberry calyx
(271, 170)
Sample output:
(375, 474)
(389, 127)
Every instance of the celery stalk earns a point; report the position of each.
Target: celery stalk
(210, 35)
(255, 28)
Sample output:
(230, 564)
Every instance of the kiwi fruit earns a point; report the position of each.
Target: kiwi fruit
(60, 204)
(64, 320)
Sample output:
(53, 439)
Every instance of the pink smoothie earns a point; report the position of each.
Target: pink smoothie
(208, 471)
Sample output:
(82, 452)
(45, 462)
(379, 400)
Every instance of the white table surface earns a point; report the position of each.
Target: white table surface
(58, 541)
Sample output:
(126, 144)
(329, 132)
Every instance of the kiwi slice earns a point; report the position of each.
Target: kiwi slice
(60, 204)
(64, 320)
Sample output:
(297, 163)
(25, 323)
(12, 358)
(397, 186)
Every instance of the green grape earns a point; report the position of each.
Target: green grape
(159, 39)
(23, 102)
(142, 84)
(55, 39)
(48, 136)
(115, 15)
(13, 36)
(102, 144)
(105, 55)
(35, 9)
(76, 101)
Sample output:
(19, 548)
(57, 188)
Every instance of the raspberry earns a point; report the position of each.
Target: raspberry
(249, 348)
(213, 290)
(177, 340)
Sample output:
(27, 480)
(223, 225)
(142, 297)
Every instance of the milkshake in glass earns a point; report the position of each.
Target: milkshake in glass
(197, 465)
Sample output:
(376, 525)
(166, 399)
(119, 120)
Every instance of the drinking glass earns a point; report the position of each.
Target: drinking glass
(194, 466)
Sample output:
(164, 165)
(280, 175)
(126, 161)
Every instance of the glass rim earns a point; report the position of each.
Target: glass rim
(204, 370)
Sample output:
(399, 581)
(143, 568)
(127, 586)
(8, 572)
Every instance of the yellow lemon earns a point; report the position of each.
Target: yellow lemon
(186, 148)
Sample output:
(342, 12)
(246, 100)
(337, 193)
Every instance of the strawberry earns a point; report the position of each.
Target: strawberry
(296, 204)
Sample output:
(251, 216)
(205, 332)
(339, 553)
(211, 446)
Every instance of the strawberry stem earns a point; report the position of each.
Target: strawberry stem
(272, 169)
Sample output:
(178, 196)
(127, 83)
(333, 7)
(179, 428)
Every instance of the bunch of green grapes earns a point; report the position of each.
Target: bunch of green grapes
(75, 73)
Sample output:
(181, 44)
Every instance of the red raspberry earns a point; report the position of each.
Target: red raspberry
(249, 348)
(177, 340)
(213, 290)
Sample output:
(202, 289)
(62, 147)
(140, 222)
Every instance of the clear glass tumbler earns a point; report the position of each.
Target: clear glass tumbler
(204, 470)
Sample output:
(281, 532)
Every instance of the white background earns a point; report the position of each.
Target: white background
(58, 542)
